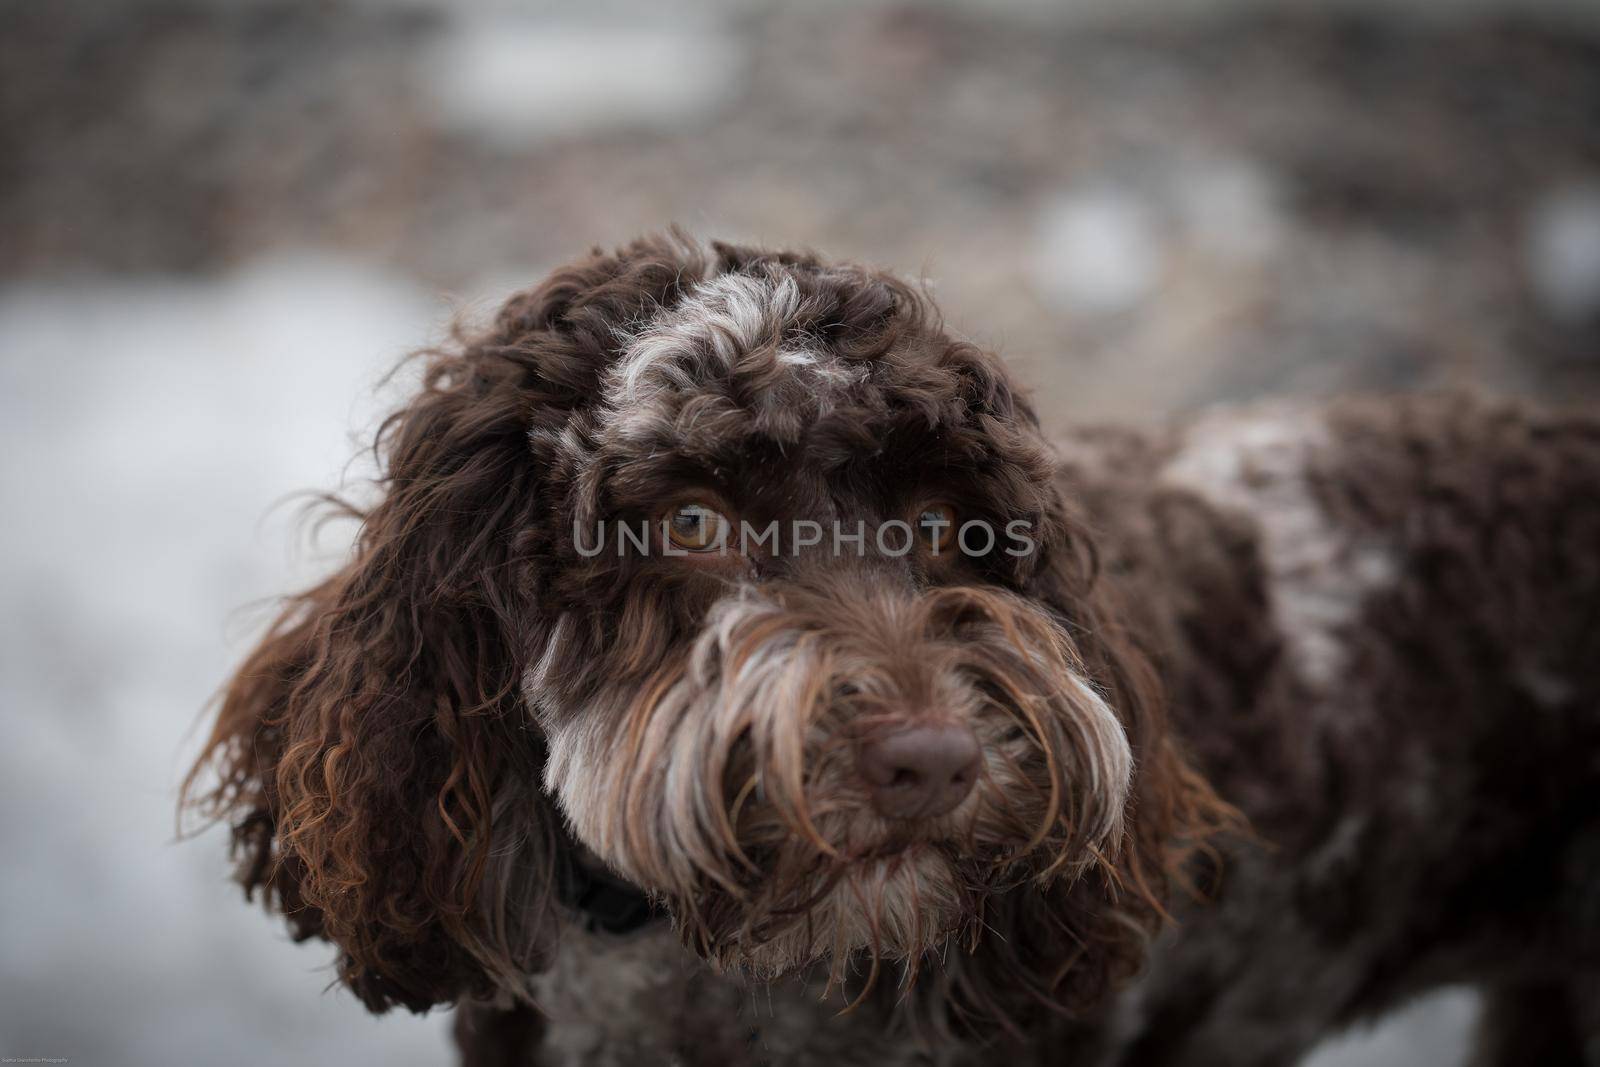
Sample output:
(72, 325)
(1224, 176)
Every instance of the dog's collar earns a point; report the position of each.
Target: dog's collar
(604, 901)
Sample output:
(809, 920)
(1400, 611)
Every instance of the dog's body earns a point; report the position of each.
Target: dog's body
(1371, 628)
(1383, 641)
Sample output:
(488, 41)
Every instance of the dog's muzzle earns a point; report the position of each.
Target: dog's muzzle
(824, 771)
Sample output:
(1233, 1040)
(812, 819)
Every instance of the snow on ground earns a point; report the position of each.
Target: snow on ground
(145, 430)
(1434, 1031)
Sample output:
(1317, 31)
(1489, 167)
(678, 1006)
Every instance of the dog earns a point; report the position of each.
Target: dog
(732, 672)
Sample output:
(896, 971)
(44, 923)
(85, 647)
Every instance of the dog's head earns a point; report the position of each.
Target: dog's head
(735, 571)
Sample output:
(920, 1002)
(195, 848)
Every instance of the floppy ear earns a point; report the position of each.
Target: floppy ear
(372, 754)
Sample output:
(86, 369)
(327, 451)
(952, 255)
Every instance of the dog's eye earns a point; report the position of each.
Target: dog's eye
(936, 526)
(695, 527)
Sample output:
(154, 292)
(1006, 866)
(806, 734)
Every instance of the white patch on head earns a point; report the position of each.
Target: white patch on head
(1319, 574)
(723, 318)
(731, 313)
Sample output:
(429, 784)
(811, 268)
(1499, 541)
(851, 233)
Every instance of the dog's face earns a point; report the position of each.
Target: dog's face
(792, 676)
(736, 568)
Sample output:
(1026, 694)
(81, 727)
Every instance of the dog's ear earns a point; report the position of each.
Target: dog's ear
(372, 754)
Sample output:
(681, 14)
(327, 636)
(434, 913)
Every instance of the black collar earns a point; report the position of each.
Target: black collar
(604, 901)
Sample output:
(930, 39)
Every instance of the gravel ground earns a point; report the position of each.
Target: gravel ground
(222, 221)
(1146, 215)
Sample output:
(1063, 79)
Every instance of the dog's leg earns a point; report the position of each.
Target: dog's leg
(1529, 1023)
(490, 1036)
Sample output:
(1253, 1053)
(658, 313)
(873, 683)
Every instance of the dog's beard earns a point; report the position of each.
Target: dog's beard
(726, 784)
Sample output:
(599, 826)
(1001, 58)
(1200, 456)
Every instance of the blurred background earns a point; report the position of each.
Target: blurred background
(222, 222)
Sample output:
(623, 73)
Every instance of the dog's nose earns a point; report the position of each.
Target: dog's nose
(921, 770)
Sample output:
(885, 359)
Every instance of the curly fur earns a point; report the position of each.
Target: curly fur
(1255, 612)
